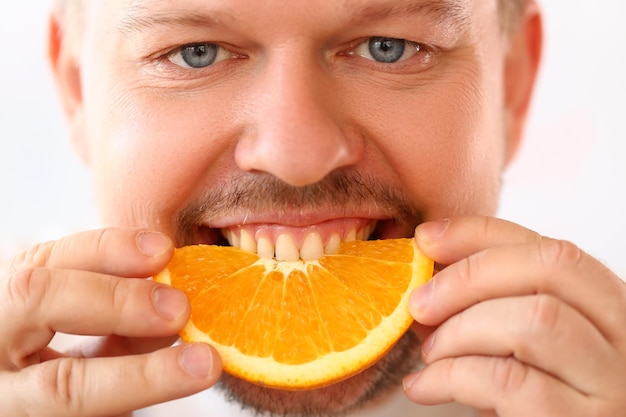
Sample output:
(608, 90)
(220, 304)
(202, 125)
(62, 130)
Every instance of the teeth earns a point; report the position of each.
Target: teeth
(233, 239)
(286, 249)
(367, 231)
(247, 242)
(312, 248)
(332, 246)
(265, 248)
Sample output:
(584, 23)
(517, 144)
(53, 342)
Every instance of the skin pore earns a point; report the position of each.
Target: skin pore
(294, 124)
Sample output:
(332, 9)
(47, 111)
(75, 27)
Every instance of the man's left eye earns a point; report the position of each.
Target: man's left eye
(387, 50)
(199, 55)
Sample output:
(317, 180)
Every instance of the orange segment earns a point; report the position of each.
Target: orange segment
(301, 324)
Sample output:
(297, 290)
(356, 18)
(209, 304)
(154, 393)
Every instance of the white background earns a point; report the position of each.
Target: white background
(568, 181)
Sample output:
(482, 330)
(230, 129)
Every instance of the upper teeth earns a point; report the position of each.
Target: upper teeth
(285, 248)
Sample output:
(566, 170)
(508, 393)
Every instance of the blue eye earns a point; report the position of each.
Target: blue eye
(199, 55)
(386, 50)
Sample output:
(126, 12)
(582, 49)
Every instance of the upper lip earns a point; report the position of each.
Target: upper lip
(294, 218)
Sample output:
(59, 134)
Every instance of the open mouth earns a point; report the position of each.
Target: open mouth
(291, 243)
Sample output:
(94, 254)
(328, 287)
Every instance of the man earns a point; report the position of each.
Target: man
(199, 117)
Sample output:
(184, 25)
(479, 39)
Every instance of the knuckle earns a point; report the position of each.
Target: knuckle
(102, 239)
(469, 272)
(142, 371)
(489, 223)
(514, 233)
(470, 266)
(556, 253)
(509, 375)
(545, 312)
(134, 298)
(545, 315)
(36, 256)
(22, 299)
(62, 382)
(122, 295)
(543, 323)
(517, 381)
(39, 254)
(27, 287)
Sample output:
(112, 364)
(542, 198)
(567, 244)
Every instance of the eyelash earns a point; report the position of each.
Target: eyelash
(421, 55)
(357, 49)
(364, 48)
(221, 54)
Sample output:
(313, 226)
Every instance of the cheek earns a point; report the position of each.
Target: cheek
(443, 144)
(151, 155)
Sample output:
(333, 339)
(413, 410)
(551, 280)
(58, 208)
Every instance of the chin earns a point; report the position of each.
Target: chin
(370, 386)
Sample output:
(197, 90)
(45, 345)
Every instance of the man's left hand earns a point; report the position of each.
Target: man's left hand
(526, 325)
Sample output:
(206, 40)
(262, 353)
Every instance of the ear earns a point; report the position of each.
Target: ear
(64, 58)
(521, 66)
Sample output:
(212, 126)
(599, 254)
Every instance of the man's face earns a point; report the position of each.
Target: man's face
(323, 118)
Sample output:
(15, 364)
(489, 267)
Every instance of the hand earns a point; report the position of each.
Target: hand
(527, 325)
(91, 284)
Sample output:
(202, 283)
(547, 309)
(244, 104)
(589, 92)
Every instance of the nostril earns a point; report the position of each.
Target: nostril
(301, 160)
(284, 164)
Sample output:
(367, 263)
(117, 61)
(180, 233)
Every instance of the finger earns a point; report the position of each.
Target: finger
(105, 346)
(109, 386)
(448, 241)
(546, 266)
(503, 385)
(537, 330)
(114, 345)
(114, 251)
(40, 301)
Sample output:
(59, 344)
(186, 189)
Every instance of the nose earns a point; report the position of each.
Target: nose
(297, 130)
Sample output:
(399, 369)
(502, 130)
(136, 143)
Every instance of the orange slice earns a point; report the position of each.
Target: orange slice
(301, 324)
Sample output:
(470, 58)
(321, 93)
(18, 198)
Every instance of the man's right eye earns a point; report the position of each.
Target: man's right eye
(200, 55)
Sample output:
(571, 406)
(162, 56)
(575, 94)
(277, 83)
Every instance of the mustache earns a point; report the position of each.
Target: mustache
(264, 193)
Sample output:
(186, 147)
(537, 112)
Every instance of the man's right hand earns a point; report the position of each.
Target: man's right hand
(94, 283)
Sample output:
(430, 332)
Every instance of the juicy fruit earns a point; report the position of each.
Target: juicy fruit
(299, 324)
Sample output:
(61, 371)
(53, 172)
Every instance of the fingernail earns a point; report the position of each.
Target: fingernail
(410, 380)
(170, 303)
(432, 230)
(153, 243)
(421, 297)
(197, 360)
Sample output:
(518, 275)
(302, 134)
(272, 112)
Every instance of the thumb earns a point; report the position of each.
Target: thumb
(108, 386)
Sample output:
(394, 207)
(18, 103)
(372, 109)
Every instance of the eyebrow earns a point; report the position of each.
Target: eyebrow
(138, 17)
(442, 11)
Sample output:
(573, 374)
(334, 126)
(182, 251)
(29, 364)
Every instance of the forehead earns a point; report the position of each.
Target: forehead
(344, 5)
(143, 13)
